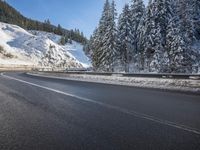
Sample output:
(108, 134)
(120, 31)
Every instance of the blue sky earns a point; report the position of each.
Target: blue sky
(81, 14)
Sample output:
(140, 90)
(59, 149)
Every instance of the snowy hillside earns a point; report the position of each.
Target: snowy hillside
(75, 49)
(40, 49)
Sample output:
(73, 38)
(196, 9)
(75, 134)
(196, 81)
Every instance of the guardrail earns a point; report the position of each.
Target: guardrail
(165, 75)
(55, 70)
(144, 75)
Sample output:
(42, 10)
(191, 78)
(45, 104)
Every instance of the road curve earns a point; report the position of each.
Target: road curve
(54, 114)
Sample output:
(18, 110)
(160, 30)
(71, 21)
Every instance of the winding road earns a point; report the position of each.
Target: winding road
(38, 113)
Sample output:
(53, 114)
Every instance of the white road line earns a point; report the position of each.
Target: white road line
(132, 113)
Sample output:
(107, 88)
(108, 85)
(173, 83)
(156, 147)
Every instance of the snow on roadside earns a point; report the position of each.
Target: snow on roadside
(185, 85)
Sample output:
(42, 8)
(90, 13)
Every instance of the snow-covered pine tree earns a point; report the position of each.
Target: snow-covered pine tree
(94, 48)
(196, 17)
(125, 37)
(151, 33)
(141, 42)
(167, 13)
(158, 15)
(143, 34)
(173, 41)
(137, 11)
(185, 14)
(112, 42)
(154, 49)
(176, 47)
(196, 20)
(180, 37)
(108, 47)
(187, 32)
(97, 42)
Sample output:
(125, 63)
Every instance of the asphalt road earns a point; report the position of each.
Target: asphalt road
(50, 114)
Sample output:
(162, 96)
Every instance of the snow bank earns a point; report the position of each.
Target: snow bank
(155, 83)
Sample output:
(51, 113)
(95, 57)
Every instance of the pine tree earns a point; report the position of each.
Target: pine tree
(103, 23)
(63, 40)
(47, 26)
(158, 16)
(125, 37)
(196, 17)
(58, 30)
(196, 21)
(98, 35)
(104, 39)
(174, 45)
(187, 32)
(110, 40)
(137, 11)
(149, 36)
(185, 14)
(180, 37)
(94, 48)
(141, 41)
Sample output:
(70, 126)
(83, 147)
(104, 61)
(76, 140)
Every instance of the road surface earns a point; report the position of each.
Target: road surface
(39, 113)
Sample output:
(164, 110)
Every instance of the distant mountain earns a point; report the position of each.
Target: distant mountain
(10, 15)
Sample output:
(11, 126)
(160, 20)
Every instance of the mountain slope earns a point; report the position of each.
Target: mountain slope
(75, 49)
(10, 15)
(39, 50)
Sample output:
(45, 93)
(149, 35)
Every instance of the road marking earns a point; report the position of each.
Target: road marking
(132, 113)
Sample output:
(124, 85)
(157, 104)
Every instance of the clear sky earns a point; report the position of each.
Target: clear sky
(81, 14)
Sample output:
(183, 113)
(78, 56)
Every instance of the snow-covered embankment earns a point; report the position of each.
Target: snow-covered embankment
(19, 47)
